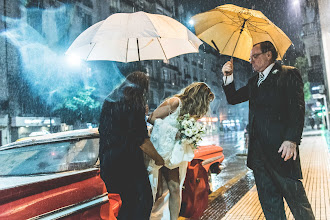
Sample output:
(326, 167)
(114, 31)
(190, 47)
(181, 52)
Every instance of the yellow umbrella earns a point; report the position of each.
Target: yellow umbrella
(233, 30)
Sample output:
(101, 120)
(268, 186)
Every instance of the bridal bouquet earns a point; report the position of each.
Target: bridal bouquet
(190, 130)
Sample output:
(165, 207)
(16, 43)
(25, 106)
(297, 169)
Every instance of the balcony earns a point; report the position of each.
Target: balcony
(165, 8)
(170, 66)
(128, 2)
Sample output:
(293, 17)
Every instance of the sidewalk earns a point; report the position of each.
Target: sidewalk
(238, 199)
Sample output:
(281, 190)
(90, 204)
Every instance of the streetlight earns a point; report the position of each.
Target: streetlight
(73, 60)
(296, 7)
(296, 3)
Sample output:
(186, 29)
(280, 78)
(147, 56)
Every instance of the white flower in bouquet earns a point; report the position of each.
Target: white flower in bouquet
(195, 130)
(184, 124)
(190, 124)
(190, 130)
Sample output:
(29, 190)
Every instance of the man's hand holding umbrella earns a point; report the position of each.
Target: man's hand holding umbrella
(227, 68)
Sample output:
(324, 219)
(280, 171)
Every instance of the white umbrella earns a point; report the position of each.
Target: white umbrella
(128, 37)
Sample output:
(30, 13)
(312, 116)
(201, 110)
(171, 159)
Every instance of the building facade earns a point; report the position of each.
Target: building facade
(324, 7)
(56, 23)
(315, 35)
(311, 35)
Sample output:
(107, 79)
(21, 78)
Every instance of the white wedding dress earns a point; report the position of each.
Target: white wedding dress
(174, 154)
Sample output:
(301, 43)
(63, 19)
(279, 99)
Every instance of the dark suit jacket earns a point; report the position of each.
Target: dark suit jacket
(276, 114)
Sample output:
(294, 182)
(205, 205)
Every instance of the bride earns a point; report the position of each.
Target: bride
(195, 101)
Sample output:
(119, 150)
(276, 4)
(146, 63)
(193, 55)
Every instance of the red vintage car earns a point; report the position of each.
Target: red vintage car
(57, 176)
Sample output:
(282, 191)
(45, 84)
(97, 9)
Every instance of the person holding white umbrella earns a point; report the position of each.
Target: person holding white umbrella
(130, 37)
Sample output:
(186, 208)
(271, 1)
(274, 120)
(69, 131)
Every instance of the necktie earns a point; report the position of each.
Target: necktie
(261, 78)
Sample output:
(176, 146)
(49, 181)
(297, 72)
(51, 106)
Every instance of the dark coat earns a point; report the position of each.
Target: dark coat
(276, 114)
(122, 132)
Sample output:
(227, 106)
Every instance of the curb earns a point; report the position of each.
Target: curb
(227, 186)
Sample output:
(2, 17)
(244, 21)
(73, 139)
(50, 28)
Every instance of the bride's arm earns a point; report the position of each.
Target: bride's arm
(165, 109)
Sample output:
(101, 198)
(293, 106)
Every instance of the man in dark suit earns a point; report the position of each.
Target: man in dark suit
(276, 121)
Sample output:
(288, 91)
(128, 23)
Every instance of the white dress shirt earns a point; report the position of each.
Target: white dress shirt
(230, 78)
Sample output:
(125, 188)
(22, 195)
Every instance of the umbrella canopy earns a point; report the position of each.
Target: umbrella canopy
(233, 30)
(127, 37)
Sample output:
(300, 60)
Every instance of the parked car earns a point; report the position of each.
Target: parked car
(57, 176)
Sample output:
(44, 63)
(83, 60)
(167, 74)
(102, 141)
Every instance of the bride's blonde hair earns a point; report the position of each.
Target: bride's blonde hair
(195, 99)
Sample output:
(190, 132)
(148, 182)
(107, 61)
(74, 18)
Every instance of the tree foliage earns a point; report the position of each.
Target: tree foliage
(82, 107)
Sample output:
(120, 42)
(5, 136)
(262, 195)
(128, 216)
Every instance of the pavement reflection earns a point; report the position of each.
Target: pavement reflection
(233, 145)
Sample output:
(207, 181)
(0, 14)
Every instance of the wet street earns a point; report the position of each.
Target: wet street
(233, 148)
(235, 195)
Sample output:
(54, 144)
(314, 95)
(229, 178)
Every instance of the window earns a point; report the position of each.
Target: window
(151, 97)
(86, 21)
(33, 19)
(316, 60)
(185, 71)
(173, 78)
(147, 71)
(88, 3)
(49, 157)
(166, 76)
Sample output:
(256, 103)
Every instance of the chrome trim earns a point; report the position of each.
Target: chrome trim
(55, 137)
(69, 210)
(210, 160)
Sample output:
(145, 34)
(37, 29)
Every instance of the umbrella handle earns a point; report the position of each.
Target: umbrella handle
(232, 62)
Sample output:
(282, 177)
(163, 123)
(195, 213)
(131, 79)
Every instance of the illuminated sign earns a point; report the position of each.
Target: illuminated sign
(47, 121)
(32, 121)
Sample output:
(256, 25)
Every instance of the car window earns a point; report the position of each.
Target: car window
(49, 157)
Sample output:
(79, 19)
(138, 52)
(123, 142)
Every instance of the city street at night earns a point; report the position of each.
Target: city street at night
(165, 109)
